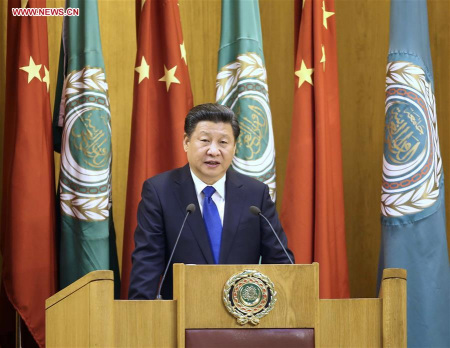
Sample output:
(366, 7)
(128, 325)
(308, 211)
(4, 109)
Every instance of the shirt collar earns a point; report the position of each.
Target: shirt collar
(219, 185)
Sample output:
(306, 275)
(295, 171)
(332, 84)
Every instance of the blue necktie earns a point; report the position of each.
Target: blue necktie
(212, 221)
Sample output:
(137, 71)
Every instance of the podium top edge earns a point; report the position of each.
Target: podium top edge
(314, 264)
(88, 278)
(389, 273)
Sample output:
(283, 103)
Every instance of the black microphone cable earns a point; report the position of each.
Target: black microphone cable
(256, 211)
(189, 210)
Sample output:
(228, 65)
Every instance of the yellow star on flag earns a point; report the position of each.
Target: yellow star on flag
(323, 59)
(23, 3)
(142, 4)
(326, 15)
(32, 69)
(183, 52)
(304, 74)
(46, 78)
(143, 70)
(169, 77)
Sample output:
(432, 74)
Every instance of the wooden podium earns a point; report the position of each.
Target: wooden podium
(85, 314)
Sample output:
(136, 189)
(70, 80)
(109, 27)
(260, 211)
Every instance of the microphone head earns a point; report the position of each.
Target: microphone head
(255, 210)
(190, 208)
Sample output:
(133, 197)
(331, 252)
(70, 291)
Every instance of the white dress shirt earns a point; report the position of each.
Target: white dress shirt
(218, 197)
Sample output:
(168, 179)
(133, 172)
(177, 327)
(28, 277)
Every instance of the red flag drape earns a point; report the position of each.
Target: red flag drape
(312, 211)
(28, 209)
(162, 98)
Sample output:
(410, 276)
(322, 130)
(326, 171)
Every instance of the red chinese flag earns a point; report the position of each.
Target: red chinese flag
(162, 98)
(312, 212)
(28, 208)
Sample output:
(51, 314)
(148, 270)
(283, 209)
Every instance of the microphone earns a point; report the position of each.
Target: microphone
(256, 211)
(189, 210)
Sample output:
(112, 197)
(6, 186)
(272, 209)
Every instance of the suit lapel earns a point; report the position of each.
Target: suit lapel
(185, 192)
(234, 206)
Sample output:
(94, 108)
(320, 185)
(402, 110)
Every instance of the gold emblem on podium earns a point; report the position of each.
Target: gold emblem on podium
(249, 296)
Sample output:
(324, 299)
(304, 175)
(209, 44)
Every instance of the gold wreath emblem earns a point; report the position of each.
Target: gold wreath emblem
(249, 296)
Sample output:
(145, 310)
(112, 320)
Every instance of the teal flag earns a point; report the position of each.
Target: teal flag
(242, 85)
(82, 124)
(412, 198)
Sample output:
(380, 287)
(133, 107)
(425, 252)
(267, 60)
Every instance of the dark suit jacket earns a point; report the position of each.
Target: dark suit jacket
(161, 212)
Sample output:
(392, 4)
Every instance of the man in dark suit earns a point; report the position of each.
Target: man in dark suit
(222, 229)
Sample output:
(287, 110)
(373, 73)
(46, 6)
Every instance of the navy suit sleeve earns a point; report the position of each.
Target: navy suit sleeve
(271, 250)
(149, 253)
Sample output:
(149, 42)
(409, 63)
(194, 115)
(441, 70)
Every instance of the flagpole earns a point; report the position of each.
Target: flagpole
(18, 331)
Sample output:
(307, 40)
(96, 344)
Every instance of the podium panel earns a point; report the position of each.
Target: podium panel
(201, 293)
(85, 313)
(351, 323)
(81, 315)
(345, 322)
(145, 324)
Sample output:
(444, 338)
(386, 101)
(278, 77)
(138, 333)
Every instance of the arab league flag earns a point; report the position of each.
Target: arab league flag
(412, 200)
(87, 239)
(241, 85)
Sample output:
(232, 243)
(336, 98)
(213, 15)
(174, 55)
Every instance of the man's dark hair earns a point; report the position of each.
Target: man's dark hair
(211, 112)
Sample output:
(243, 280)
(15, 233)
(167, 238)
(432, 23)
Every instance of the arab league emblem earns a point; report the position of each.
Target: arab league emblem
(249, 296)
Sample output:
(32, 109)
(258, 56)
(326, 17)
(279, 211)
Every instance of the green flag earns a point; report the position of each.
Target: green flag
(82, 123)
(413, 221)
(242, 85)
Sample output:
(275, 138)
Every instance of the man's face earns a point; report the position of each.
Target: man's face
(210, 150)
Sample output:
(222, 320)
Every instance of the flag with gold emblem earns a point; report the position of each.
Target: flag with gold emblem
(28, 217)
(82, 116)
(312, 212)
(162, 98)
(241, 85)
(413, 218)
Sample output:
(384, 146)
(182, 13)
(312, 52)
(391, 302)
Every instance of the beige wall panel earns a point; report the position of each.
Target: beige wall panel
(277, 22)
(118, 30)
(54, 27)
(362, 36)
(200, 21)
(438, 11)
